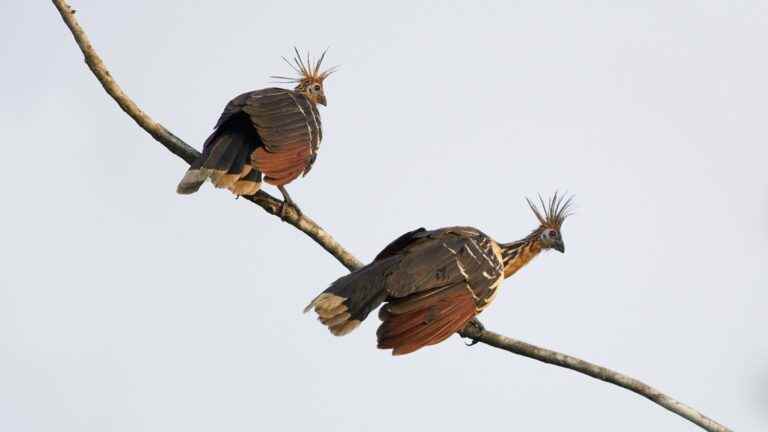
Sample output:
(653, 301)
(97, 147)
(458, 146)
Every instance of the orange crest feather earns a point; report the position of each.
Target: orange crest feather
(308, 73)
(553, 212)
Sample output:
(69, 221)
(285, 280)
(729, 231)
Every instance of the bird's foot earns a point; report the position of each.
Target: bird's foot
(471, 329)
(283, 212)
(287, 201)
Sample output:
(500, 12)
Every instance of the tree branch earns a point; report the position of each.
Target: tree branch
(272, 206)
(478, 334)
(183, 150)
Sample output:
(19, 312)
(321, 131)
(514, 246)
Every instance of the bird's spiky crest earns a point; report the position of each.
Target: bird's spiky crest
(308, 73)
(554, 211)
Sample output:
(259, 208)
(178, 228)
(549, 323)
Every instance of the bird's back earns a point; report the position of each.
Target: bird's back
(432, 284)
(272, 132)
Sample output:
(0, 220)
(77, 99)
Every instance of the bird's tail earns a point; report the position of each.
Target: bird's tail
(225, 160)
(349, 300)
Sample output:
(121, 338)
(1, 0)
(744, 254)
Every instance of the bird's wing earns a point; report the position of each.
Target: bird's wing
(443, 279)
(400, 243)
(289, 126)
(233, 107)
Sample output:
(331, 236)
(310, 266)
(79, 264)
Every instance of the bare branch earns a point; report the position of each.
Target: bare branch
(315, 232)
(306, 225)
(477, 333)
(184, 150)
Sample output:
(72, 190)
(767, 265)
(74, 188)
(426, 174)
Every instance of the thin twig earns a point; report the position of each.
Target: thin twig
(320, 236)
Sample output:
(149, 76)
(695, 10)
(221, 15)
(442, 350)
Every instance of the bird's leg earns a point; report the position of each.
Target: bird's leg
(473, 326)
(287, 201)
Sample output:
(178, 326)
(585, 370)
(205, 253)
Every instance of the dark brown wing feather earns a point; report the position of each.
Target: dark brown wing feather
(432, 283)
(274, 132)
(444, 278)
(399, 243)
(290, 129)
(226, 156)
(233, 107)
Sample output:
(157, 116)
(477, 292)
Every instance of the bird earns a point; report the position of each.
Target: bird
(270, 135)
(433, 282)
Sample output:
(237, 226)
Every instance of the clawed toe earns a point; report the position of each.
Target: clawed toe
(283, 212)
(477, 325)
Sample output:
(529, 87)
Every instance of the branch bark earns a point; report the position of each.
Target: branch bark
(271, 205)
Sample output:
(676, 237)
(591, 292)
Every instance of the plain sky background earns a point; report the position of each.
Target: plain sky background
(126, 307)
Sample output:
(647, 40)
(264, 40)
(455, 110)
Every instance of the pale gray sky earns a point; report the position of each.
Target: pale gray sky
(126, 307)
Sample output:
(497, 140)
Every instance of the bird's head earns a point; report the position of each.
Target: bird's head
(310, 79)
(551, 216)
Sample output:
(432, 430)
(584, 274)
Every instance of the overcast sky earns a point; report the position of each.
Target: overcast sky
(126, 307)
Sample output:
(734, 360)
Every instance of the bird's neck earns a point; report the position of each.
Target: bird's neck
(302, 90)
(517, 254)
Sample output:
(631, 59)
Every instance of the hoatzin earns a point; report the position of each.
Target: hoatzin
(433, 282)
(272, 132)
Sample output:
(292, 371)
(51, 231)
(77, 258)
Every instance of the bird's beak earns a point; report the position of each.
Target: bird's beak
(560, 247)
(322, 101)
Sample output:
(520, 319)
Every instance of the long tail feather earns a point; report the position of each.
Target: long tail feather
(226, 161)
(192, 180)
(349, 300)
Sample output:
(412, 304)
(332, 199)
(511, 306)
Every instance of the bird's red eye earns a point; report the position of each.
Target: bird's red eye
(317, 86)
(553, 233)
